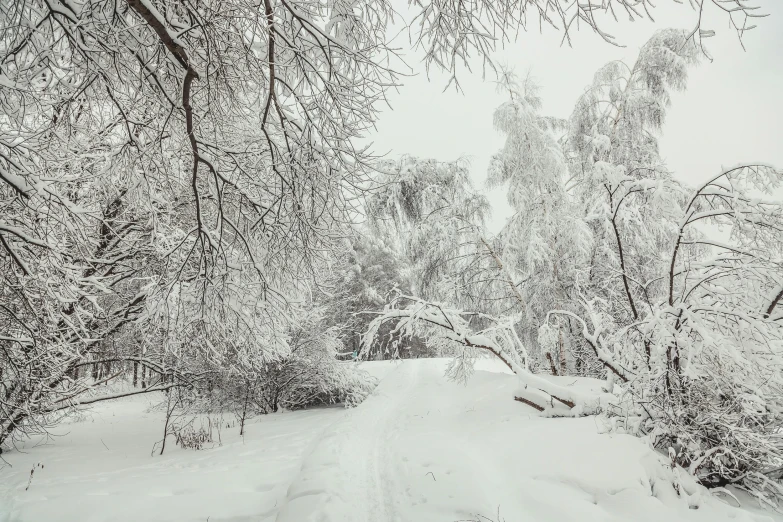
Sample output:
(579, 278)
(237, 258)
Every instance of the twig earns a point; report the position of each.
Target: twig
(30, 480)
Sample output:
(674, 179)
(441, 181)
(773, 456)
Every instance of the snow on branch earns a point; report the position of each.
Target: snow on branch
(439, 324)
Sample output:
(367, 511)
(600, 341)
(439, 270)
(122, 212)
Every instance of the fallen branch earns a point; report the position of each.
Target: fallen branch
(529, 403)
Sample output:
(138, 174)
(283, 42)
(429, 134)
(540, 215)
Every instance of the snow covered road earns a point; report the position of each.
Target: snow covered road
(357, 462)
(423, 449)
(419, 449)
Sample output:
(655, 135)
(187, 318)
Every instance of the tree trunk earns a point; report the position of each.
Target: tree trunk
(561, 346)
(244, 411)
(169, 412)
(552, 366)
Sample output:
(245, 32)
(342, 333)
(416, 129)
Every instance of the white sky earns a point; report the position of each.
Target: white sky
(732, 111)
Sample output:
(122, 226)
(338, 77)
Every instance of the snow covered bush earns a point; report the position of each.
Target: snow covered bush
(190, 438)
(309, 372)
(702, 357)
(312, 374)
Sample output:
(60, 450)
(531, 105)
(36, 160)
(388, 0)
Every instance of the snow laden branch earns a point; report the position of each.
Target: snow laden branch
(449, 329)
(595, 340)
(451, 32)
(700, 360)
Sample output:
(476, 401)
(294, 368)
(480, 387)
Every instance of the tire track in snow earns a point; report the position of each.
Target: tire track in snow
(352, 474)
(382, 469)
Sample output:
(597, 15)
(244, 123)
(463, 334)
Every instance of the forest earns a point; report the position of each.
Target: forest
(190, 212)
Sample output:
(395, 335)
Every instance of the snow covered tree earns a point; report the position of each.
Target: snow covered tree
(705, 356)
(68, 302)
(372, 274)
(663, 291)
(429, 210)
(615, 167)
(308, 372)
(544, 246)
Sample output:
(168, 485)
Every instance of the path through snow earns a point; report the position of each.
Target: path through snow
(423, 449)
(356, 461)
(419, 449)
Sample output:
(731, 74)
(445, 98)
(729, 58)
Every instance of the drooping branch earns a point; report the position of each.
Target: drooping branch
(425, 313)
(594, 342)
(102, 398)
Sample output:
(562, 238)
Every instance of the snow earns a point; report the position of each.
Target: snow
(102, 469)
(419, 449)
(425, 449)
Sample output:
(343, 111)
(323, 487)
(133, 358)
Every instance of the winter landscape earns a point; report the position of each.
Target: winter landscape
(391, 261)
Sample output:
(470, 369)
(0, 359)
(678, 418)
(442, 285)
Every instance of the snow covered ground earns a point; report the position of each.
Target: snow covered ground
(420, 449)
(102, 470)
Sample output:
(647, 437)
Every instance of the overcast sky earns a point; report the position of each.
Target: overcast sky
(732, 111)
